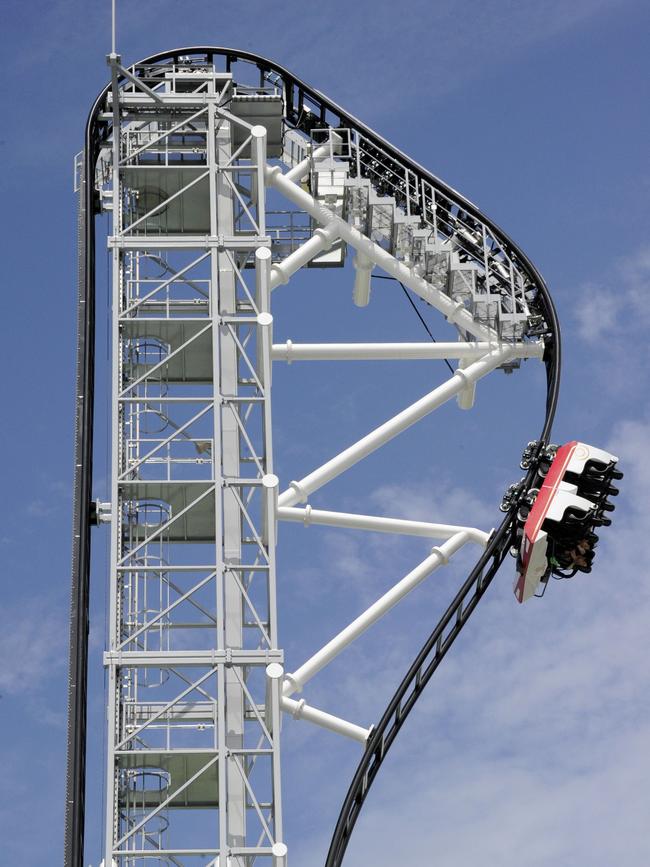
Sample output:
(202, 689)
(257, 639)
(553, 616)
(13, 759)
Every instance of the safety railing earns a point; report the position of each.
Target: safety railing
(471, 239)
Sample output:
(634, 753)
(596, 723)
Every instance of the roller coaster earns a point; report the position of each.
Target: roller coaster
(181, 149)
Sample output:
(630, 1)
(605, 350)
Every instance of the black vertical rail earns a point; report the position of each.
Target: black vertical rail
(80, 581)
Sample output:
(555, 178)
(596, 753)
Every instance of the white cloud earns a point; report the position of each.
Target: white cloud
(40, 509)
(616, 309)
(436, 43)
(33, 640)
(503, 811)
(596, 312)
(434, 499)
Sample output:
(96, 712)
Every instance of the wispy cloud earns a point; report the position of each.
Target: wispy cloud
(611, 318)
(33, 638)
(434, 499)
(434, 41)
(617, 307)
(39, 508)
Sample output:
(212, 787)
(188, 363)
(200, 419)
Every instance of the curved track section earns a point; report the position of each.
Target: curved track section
(390, 171)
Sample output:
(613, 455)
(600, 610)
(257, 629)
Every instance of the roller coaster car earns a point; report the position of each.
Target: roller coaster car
(557, 534)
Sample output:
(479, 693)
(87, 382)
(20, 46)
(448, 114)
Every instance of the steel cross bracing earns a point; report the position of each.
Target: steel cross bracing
(183, 153)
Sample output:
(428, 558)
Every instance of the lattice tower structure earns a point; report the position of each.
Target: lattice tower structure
(193, 661)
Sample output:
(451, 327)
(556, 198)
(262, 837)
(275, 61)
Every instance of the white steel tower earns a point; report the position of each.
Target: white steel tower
(193, 660)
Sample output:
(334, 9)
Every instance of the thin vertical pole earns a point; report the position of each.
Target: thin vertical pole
(113, 26)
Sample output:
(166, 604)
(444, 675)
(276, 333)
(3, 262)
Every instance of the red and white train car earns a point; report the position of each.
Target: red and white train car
(558, 533)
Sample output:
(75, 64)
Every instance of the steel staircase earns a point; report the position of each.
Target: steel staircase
(451, 251)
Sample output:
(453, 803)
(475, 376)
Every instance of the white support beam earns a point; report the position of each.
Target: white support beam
(114, 61)
(362, 276)
(455, 312)
(300, 491)
(439, 557)
(376, 524)
(301, 710)
(321, 240)
(291, 351)
(465, 397)
(303, 168)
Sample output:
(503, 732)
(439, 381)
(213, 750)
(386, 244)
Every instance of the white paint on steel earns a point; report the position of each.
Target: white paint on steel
(299, 491)
(291, 351)
(362, 275)
(377, 524)
(321, 240)
(466, 396)
(439, 556)
(454, 312)
(301, 710)
(206, 690)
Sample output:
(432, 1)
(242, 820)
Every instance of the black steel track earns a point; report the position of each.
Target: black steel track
(82, 494)
(322, 112)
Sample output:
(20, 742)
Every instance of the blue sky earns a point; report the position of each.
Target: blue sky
(532, 744)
